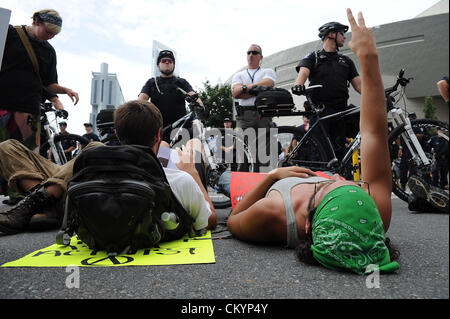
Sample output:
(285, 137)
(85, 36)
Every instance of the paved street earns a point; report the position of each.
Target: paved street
(244, 270)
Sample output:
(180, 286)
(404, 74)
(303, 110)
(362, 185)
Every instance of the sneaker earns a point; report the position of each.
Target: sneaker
(416, 204)
(435, 196)
(16, 219)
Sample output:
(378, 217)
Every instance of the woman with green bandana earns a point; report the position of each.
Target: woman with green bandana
(337, 223)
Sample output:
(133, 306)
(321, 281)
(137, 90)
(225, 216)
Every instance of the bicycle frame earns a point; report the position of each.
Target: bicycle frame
(399, 118)
(334, 161)
(51, 132)
(199, 128)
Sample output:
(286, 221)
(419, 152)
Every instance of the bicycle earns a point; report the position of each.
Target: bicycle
(216, 164)
(52, 138)
(319, 154)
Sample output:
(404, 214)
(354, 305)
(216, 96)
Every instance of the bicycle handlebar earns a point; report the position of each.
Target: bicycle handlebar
(48, 107)
(308, 90)
(400, 81)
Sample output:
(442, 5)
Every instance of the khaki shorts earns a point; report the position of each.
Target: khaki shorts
(18, 162)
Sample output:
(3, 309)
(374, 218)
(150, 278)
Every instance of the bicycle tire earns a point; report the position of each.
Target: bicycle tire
(58, 138)
(224, 163)
(311, 154)
(428, 126)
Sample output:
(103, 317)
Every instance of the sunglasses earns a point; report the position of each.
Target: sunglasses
(253, 52)
(167, 61)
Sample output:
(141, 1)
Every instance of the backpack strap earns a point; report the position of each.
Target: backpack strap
(63, 235)
(26, 43)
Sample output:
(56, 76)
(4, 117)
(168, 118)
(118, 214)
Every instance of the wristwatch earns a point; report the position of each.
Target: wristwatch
(244, 88)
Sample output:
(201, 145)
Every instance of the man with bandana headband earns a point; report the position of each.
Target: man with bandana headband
(164, 93)
(337, 223)
(24, 83)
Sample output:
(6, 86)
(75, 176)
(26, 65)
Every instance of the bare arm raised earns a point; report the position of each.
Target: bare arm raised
(375, 162)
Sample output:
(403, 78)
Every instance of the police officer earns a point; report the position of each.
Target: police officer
(334, 72)
(163, 91)
(242, 84)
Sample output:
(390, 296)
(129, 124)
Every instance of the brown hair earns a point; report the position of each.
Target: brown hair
(137, 122)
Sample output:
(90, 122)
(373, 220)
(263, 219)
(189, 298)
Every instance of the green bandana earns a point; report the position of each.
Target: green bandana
(348, 232)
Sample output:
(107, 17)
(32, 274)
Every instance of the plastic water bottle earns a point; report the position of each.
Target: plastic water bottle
(170, 220)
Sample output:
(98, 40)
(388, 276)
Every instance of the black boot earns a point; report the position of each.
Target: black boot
(16, 219)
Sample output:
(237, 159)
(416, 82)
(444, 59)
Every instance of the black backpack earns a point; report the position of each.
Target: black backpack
(274, 102)
(115, 200)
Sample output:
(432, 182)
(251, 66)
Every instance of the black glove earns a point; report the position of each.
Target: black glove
(255, 90)
(298, 89)
(62, 113)
(205, 111)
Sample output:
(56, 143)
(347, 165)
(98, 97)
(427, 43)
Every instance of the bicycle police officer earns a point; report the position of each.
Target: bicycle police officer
(334, 71)
(163, 91)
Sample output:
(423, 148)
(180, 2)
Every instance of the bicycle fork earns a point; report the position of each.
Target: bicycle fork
(207, 151)
(59, 156)
(410, 138)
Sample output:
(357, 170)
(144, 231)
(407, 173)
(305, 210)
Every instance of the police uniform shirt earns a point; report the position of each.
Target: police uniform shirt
(333, 71)
(250, 76)
(167, 98)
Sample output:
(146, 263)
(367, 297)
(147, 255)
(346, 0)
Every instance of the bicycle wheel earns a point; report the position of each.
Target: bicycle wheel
(311, 153)
(238, 154)
(404, 166)
(59, 138)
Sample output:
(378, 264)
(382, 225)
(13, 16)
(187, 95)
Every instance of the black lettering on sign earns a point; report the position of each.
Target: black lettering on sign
(115, 260)
(166, 251)
(55, 253)
(69, 253)
(195, 238)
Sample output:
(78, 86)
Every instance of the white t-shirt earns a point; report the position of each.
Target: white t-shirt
(190, 196)
(250, 76)
(185, 188)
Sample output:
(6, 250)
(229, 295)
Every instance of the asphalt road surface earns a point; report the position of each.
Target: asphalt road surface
(243, 270)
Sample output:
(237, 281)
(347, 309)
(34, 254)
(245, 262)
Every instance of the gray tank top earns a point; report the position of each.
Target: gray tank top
(284, 187)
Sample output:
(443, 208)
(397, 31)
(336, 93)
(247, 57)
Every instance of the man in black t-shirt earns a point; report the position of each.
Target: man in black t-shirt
(21, 84)
(68, 145)
(335, 72)
(164, 93)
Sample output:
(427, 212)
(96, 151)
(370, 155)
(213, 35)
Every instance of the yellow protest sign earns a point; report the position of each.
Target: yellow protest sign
(198, 250)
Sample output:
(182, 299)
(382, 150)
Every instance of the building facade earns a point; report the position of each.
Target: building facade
(106, 92)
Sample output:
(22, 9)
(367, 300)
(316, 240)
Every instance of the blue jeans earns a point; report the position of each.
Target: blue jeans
(224, 183)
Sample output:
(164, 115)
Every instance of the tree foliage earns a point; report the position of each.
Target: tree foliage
(429, 108)
(219, 101)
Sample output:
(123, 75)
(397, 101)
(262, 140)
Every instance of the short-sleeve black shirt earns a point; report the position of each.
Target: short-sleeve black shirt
(20, 89)
(333, 71)
(168, 99)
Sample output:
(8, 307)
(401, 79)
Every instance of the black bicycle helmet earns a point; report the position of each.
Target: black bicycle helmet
(105, 118)
(165, 54)
(331, 27)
